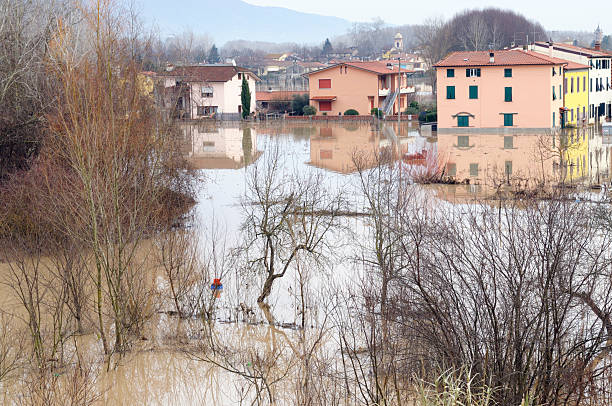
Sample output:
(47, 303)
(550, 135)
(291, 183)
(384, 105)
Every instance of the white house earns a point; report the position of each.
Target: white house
(600, 73)
(206, 90)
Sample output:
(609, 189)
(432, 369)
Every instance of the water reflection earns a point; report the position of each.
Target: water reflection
(212, 147)
(576, 155)
(335, 147)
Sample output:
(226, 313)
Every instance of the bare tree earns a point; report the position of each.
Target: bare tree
(287, 215)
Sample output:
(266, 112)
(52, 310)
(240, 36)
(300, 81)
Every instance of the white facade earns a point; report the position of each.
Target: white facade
(208, 98)
(225, 98)
(599, 73)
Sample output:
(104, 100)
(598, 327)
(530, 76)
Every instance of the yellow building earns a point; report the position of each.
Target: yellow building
(573, 147)
(576, 94)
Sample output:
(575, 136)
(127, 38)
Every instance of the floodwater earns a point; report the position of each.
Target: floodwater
(168, 369)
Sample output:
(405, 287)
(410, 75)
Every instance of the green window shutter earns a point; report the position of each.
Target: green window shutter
(508, 142)
(478, 72)
(508, 73)
(508, 120)
(463, 121)
(474, 169)
(450, 92)
(467, 73)
(508, 94)
(473, 92)
(450, 73)
(463, 141)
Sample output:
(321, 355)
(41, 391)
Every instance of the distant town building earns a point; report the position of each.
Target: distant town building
(206, 90)
(502, 91)
(358, 85)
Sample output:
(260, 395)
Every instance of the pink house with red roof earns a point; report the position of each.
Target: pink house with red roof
(359, 85)
(503, 91)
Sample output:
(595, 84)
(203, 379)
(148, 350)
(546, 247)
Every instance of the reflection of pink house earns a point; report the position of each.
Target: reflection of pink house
(358, 85)
(499, 90)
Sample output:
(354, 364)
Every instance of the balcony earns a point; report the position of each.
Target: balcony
(404, 90)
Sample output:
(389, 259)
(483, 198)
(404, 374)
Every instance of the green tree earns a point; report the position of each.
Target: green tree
(327, 47)
(245, 97)
(298, 103)
(213, 55)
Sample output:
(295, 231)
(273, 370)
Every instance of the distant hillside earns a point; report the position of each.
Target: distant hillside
(234, 19)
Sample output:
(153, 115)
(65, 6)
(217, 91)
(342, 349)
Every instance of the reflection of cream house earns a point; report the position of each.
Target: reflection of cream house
(206, 90)
(219, 148)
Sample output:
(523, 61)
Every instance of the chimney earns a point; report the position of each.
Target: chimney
(491, 57)
(597, 46)
(550, 48)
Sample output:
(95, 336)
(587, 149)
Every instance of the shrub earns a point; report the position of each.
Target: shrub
(299, 102)
(309, 111)
(351, 112)
(428, 116)
(376, 112)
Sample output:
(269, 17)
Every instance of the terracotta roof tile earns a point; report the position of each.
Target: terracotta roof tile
(281, 95)
(378, 67)
(574, 48)
(502, 58)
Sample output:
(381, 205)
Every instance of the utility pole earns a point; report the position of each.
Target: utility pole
(399, 95)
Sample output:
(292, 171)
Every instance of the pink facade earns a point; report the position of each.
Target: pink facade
(514, 91)
(355, 85)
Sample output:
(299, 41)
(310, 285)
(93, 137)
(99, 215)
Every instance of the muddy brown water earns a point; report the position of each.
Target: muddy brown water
(161, 370)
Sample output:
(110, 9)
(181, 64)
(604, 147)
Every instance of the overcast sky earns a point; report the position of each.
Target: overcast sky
(554, 15)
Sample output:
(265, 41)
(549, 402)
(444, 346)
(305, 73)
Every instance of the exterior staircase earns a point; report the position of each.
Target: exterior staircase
(387, 106)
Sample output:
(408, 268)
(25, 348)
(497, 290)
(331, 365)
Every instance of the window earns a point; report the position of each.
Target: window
(508, 167)
(577, 85)
(508, 94)
(450, 92)
(451, 169)
(554, 71)
(591, 85)
(508, 72)
(572, 85)
(572, 115)
(472, 72)
(325, 106)
(324, 83)
(554, 124)
(206, 110)
(473, 92)
(554, 94)
(473, 169)
(207, 91)
(450, 73)
(463, 121)
(463, 141)
(509, 142)
(565, 85)
(508, 120)
(240, 76)
(584, 83)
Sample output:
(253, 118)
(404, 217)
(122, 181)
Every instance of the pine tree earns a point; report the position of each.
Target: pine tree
(327, 47)
(245, 97)
(213, 55)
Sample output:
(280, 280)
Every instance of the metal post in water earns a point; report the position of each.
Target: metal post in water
(399, 100)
